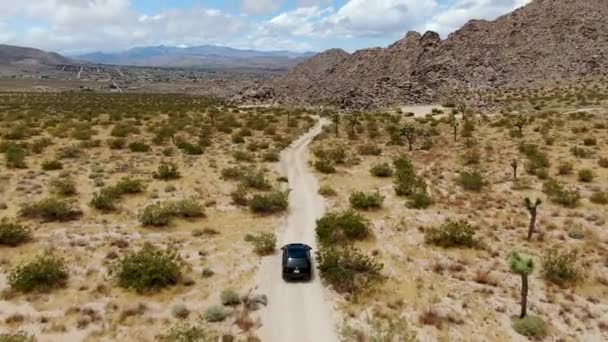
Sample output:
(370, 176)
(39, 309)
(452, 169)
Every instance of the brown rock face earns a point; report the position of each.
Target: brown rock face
(543, 42)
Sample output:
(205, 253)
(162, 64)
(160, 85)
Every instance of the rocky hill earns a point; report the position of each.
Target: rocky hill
(543, 42)
(11, 55)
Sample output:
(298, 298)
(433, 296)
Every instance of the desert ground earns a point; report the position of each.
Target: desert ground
(79, 171)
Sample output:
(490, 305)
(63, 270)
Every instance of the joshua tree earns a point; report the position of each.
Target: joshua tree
(336, 120)
(454, 123)
(532, 208)
(514, 166)
(353, 120)
(409, 132)
(524, 267)
(520, 121)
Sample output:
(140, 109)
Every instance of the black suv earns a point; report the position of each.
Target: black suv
(297, 263)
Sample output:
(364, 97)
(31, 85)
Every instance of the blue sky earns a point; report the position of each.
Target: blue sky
(74, 26)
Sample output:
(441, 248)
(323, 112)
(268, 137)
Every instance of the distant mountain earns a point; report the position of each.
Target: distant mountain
(208, 56)
(16, 55)
(544, 42)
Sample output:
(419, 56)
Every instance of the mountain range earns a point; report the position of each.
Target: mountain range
(208, 56)
(544, 42)
(16, 55)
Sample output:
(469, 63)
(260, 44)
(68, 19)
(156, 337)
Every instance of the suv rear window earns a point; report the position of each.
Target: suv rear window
(296, 253)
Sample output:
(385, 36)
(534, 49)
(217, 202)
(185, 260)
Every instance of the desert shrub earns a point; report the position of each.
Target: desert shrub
(381, 170)
(369, 150)
(325, 166)
(239, 196)
(586, 175)
(468, 128)
(63, 187)
(340, 227)
(44, 273)
(530, 326)
(148, 269)
(16, 337)
(580, 152)
(186, 333)
(451, 234)
(229, 297)
(50, 165)
(167, 171)
(244, 156)
(255, 180)
(271, 156)
(538, 161)
(117, 144)
(215, 314)
(12, 233)
(186, 208)
(264, 243)
(139, 146)
(599, 197)
(15, 157)
(560, 195)
(471, 181)
(39, 145)
(561, 266)
(603, 162)
(348, 270)
(123, 129)
(590, 141)
(233, 173)
(565, 168)
(362, 200)
(406, 182)
(129, 186)
(50, 209)
(104, 200)
(420, 199)
(271, 203)
(472, 156)
(69, 152)
(327, 191)
(189, 148)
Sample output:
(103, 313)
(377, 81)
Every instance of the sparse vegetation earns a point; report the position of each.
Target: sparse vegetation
(148, 269)
(341, 227)
(271, 203)
(451, 234)
(366, 201)
(264, 243)
(348, 270)
(561, 266)
(44, 273)
(50, 209)
(12, 233)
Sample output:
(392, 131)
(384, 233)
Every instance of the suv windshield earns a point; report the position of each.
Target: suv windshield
(296, 253)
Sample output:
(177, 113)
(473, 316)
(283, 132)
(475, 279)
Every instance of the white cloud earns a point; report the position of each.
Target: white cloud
(260, 6)
(461, 11)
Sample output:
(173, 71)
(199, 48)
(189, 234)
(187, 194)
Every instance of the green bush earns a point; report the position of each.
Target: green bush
(348, 270)
(161, 214)
(381, 170)
(531, 326)
(603, 162)
(104, 199)
(230, 298)
(239, 196)
(471, 181)
(558, 194)
(341, 227)
(12, 233)
(420, 199)
(361, 200)
(264, 243)
(63, 187)
(233, 173)
(167, 171)
(599, 197)
(325, 166)
(69, 152)
(117, 144)
(215, 314)
(255, 180)
(590, 141)
(186, 333)
(39, 145)
(123, 129)
(138, 146)
(187, 208)
(581, 152)
(15, 157)
(565, 168)
(561, 266)
(271, 156)
(129, 186)
(369, 150)
(51, 165)
(50, 209)
(586, 175)
(148, 269)
(44, 273)
(451, 234)
(189, 148)
(271, 203)
(327, 191)
(16, 337)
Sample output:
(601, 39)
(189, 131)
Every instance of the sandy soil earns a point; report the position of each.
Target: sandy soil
(297, 311)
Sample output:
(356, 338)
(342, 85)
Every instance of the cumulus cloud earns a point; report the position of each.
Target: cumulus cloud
(86, 25)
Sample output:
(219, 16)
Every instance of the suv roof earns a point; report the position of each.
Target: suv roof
(296, 246)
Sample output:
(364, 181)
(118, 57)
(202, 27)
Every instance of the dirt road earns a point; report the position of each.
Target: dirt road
(296, 312)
